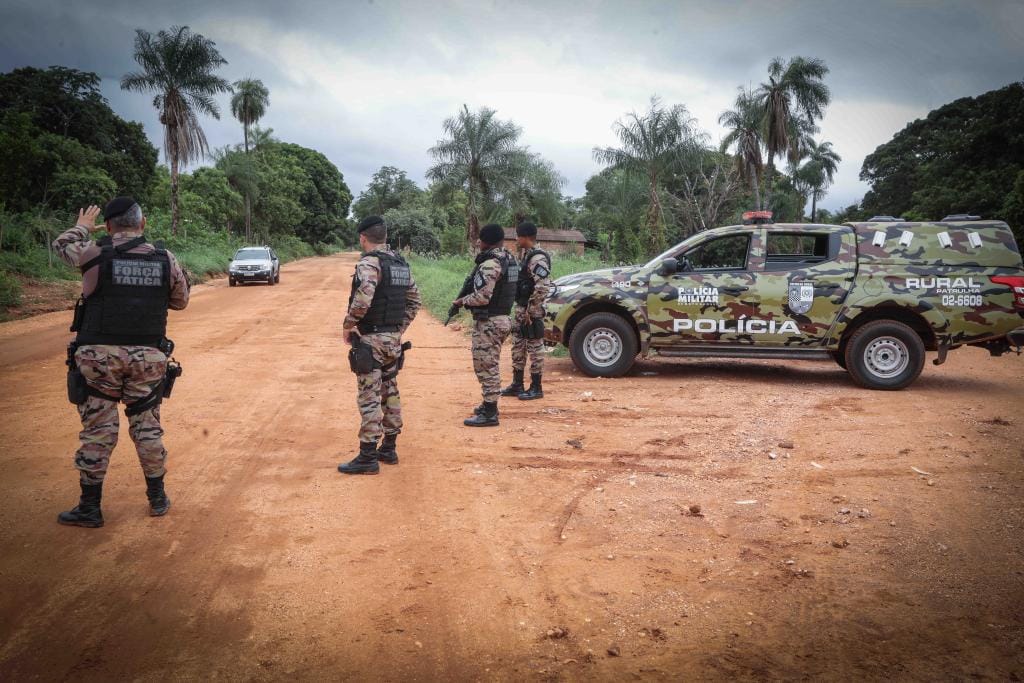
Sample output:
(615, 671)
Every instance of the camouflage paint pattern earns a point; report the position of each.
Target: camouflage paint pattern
(368, 272)
(75, 247)
(521, 346)
(488, 336)
(858, 276)
(380, 406)
(129, 373)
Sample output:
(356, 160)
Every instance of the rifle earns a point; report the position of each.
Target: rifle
(467, 289)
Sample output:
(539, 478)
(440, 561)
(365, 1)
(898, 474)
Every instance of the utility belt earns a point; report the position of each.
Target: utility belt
(374, 329)
(532, 328)
(484, 314)
(79, 390)
(362, 362)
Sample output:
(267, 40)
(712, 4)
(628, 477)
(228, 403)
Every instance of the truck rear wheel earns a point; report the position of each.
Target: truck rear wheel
(603, 345)
(885, 354)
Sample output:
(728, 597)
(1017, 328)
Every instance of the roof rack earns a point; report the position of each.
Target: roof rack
(960, 217)
(886, 219)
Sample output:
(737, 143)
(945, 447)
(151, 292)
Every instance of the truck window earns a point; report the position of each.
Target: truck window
(723, 253)
(788, 250)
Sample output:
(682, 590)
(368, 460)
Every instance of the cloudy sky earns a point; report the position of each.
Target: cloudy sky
(368, 83)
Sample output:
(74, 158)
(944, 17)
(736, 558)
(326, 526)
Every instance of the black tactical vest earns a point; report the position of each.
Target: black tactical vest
(504, 293)
(133, 291)
(526, 282)
(387, 311)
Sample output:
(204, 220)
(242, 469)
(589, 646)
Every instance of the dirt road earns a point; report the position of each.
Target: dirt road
(509, 553)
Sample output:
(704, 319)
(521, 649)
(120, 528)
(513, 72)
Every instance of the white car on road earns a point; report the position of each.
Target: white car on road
(254, 264)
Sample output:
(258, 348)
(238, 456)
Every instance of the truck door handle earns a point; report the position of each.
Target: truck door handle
(732, 291)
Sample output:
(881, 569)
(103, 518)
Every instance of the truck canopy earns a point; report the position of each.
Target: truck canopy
(984, 244)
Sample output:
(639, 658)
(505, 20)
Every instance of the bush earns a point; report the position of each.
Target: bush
(440, 278)
(10, 290)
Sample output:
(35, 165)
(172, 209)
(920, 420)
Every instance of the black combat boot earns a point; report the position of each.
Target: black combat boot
(364, 463)
(159, 503)
(516, 387)
(88, 512)
(487, 417)
(387, 453)
(535, 390)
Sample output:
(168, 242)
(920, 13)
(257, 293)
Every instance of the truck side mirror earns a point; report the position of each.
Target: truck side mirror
(684, 265)
(668, 267)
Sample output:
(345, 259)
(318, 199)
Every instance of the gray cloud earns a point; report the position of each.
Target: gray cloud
(368, 83)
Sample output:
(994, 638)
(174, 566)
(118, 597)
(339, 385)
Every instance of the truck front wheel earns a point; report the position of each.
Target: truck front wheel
(885, 354)
(603, 345)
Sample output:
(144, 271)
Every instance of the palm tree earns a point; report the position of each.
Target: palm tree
(653, 143)
(745, 132)
(477, 155)
(248, 105)
(534, 188)
(794, 89)
(819, 171)
(179, 66)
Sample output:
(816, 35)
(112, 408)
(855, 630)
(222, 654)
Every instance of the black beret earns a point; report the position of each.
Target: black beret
(118, 206)
(492, 234)
(526, 229)
(369, 222)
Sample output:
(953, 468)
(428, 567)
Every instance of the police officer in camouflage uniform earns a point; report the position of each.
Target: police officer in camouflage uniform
(382, 305)
(128, 284)
(528, 325)
(494, 289)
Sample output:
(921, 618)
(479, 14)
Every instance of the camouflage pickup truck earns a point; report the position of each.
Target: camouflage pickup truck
(873, 297)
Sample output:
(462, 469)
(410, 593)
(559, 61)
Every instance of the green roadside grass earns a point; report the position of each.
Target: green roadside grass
(440, 278)
(203, 253)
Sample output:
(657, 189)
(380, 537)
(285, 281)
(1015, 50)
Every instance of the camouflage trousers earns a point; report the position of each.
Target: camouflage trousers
(129, 373)
(523, 347)
(380, 406)
(488, 336)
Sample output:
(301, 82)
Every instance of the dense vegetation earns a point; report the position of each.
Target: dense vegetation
(964, 157)
(63, 147)
(439, 278)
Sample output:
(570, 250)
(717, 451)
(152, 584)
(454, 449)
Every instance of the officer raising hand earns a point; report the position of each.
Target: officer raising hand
(120, 353)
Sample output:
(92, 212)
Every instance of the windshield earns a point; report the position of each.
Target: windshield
(672, 251)
(252, 255)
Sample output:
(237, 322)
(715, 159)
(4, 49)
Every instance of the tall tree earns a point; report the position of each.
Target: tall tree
(179, 66)
(818, 172)
(963, 157)
(477, 155)
(55, 122)
(745, 133)
(651, 144)
(389, 188)
(794, 90)
(248, 104)
(535, 189)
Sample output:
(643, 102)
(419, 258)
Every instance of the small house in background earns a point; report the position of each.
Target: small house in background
(552, 241)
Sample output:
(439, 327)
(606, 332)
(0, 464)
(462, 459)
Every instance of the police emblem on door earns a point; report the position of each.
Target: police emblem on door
(801, 297)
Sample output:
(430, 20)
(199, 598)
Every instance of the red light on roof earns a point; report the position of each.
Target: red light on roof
(751, 215)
